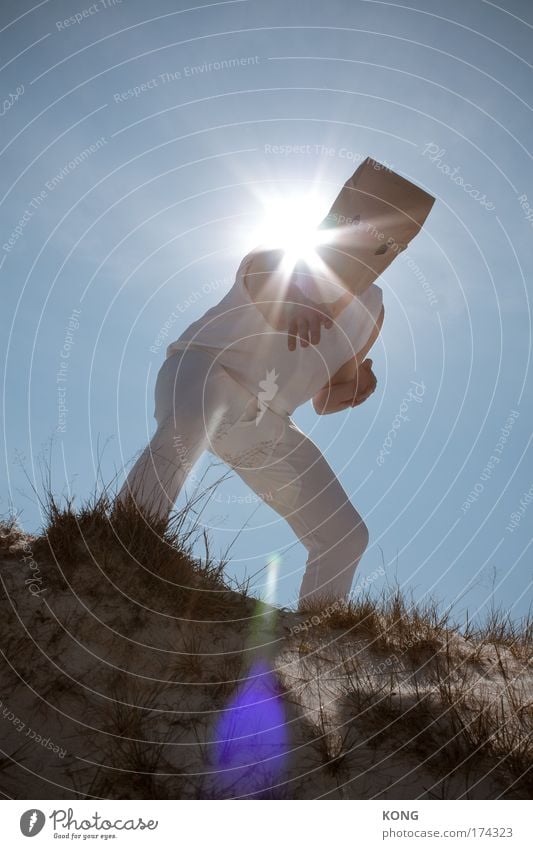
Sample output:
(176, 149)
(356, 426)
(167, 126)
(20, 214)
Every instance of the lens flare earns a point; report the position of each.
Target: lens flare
(291, 224)
(251, 738)
(272, 578)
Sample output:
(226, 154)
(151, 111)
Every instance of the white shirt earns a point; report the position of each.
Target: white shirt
(238, 336)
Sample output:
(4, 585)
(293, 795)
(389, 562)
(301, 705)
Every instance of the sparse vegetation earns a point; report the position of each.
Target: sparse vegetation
(136, 646)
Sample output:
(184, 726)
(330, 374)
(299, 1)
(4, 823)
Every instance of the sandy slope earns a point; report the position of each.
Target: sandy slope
(106, 695)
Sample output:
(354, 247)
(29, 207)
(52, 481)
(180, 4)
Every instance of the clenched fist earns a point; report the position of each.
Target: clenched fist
(365, 383)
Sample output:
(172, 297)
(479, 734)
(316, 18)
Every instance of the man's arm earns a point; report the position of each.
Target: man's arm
(350, 380)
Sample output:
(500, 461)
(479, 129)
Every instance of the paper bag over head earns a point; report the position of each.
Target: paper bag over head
(374, 217)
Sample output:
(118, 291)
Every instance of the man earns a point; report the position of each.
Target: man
(279, 338)
(214, 393)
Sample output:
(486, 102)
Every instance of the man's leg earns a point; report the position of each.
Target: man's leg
(195, 400)
(294, 478)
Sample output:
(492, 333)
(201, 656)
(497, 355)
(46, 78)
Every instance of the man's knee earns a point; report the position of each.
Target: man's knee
(350, 536)
(357, 536)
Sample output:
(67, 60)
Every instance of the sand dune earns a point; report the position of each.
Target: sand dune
(130, 670)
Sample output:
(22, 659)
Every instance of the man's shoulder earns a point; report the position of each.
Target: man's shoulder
(373, 293)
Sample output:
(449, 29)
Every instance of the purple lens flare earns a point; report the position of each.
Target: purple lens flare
(251, 739)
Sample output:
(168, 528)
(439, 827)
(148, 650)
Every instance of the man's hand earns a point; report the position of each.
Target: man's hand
(365, 383)
(283, 302)
(305, 319)
(349, 393)
(300, 316)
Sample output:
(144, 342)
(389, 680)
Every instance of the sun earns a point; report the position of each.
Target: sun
(290, 224)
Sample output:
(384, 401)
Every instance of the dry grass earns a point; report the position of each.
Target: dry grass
(499, 629)
(387, 620)
(136, 572)
(456, 699)
(393, 623)
(447, 722)
(11, 535)
(144, 558)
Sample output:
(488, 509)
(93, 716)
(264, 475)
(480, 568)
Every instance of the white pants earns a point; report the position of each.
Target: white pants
(199, 406)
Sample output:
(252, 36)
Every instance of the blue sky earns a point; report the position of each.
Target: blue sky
(138, 158)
